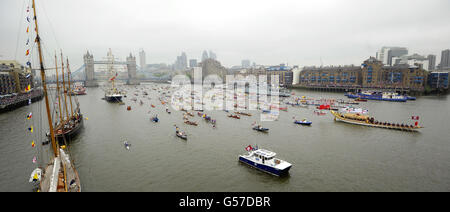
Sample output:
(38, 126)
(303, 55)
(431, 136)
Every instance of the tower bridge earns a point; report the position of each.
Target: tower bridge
(89, 68)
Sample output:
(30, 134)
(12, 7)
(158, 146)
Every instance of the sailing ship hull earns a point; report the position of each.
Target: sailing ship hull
(67, 135)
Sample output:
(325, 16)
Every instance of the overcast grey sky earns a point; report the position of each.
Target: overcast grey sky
(338, 32)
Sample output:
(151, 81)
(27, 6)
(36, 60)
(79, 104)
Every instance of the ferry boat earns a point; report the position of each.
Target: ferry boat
(364, 120)
(264, 160)
(382, 96)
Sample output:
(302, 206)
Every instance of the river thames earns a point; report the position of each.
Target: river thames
(328, 156)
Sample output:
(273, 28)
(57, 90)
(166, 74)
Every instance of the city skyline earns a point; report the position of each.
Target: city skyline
(297, 33)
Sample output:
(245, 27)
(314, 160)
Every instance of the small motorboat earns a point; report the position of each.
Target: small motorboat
(360, 100)
(155, 119)
(234, 116)
(129, 108)
(261, 129)
(127, 145)
(244, 114)
(303, 122)
(265, 161)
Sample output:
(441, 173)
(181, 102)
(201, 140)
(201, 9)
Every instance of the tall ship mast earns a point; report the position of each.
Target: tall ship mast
(112, 94)
(60, 174)
(71, 126)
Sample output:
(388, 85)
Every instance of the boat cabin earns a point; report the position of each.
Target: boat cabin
(264, 155)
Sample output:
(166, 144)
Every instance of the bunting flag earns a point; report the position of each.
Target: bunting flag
(29, 115)
(34, 159)
(27, 53)
(28, 29)
(28, 19)
(28, 87)
(31, 129)
(28, 41)
(32, 144)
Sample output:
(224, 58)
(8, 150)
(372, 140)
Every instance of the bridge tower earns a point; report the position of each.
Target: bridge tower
(89, 70)
(131, 67)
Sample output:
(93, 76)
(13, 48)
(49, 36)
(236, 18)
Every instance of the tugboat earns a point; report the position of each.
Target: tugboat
(264, 160)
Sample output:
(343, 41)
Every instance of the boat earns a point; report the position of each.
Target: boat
(264, 160)
(261, 129)
(382, 96)
(320, 112)
(303, 122)
(127, 145)
(234, 116)
(129, 108)
(364, 120)
(244, 114)
(155, 119)
(358, 99)
(190, 123)
(70, 125)
(78, 90)
(112, 94)
(181, 135)
(60, 174)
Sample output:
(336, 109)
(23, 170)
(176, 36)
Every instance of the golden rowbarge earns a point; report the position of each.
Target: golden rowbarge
(370, 122)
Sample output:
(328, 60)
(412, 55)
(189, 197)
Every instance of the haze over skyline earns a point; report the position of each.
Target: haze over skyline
(266, 32)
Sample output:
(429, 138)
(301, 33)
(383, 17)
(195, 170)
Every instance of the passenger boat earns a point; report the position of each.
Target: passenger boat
(358, 119)
(70, 129)
(382, 96)
(261, 129)
(303, 122)
(264, 160)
